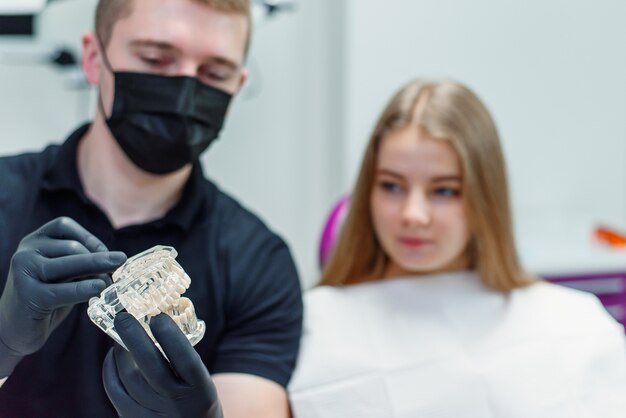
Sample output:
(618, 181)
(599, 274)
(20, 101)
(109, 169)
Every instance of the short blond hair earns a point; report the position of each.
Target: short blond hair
(108, 12)
(449, 112)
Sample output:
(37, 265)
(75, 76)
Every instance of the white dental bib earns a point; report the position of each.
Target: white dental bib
(444, 346)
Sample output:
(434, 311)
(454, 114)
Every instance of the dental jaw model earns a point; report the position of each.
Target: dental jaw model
(146, 285)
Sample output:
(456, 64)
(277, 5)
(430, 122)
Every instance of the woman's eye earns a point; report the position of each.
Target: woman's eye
(447, 192)
(390, 186)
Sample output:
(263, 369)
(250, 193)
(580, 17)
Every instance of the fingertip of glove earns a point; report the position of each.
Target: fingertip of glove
(98, 286)
(117, 257)
(123, 319)
(159, 320)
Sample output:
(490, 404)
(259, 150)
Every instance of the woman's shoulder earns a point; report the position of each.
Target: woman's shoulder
(562, 310)
(564, 298)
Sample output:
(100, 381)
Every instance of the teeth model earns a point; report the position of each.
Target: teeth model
(146, 285)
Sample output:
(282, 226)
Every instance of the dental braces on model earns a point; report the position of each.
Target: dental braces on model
(148, 284)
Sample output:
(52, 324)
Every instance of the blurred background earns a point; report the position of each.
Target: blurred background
(553, 74)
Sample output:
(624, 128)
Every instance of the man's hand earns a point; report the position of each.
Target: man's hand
(55, 267)
(141, 383)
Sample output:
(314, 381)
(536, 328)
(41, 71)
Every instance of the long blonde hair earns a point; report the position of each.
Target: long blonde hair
(448, 111)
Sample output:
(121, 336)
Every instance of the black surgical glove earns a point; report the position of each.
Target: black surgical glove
(141, 383)
(54, 268)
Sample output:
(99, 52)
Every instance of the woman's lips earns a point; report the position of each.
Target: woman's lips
(413, 242)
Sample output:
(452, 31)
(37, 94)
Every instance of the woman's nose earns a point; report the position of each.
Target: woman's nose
(416, 211)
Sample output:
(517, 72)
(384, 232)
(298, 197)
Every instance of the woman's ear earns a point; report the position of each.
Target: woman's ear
(91, 61)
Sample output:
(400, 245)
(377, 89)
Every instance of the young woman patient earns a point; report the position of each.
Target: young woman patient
(424, 309)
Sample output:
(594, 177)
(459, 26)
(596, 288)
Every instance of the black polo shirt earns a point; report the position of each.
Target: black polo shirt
(244, 284)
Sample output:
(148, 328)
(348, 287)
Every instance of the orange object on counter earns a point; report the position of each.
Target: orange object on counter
(610, 236)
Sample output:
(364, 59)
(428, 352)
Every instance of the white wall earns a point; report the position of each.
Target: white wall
(553, 73)
(36, 104)
(280, 152)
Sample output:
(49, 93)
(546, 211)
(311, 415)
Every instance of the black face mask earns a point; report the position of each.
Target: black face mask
(163, 123)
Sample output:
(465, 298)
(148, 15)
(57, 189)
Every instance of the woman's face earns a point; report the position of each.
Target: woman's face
(417, 204)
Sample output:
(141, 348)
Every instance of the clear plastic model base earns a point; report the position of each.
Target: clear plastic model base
(146, 285)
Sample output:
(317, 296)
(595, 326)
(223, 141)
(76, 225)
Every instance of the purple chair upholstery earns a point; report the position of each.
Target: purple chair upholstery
(332, 228)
